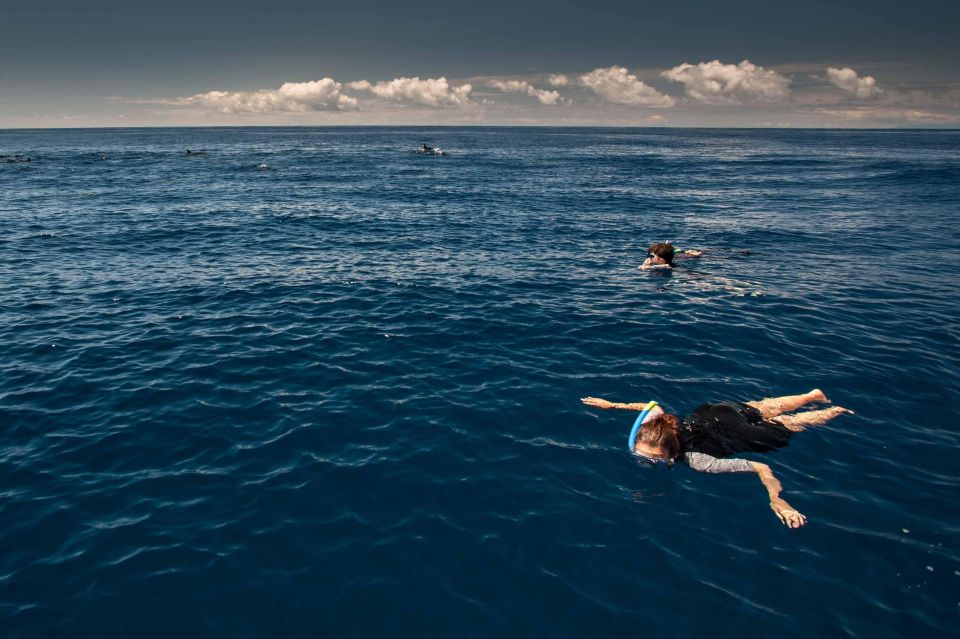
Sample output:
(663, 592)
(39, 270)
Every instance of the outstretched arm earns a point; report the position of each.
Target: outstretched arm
(784, 511)
(596, 402)
(649, 264)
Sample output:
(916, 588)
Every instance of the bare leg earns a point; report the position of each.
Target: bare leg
(801, 421)
(776, 406)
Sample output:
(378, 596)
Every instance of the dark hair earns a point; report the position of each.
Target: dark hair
(661, 431)
(663, 250)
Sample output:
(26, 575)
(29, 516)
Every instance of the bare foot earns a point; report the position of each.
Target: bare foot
(816, 395)
(834, 411)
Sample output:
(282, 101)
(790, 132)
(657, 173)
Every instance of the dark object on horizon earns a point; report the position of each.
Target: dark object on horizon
(15, 158)
(192, 152)
(429, 150)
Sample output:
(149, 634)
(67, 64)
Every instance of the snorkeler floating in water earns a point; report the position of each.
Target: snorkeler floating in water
(660, 262)
(706, 439)
(662, 254)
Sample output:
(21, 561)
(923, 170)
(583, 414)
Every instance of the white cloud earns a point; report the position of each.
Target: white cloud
(510, 86)
(558, 80)
(549, 98)
(920, 115)
(848, 80)
(617, 85)
(886, 115)
(432, 92)
(319, 95)
(718, 83)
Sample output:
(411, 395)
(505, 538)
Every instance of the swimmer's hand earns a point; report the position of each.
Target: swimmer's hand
(693, 252)
(648, 264)
(791, 518)
(786, 513)
(596, 402)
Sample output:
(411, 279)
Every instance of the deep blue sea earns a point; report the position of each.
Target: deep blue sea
(313, 384)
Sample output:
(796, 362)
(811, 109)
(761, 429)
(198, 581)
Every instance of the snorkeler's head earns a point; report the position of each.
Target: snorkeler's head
(659, 436)
(663, 250)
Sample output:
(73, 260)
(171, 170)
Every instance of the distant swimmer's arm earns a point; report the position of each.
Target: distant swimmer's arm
(784, 511)
(596, 402)
(648, 264)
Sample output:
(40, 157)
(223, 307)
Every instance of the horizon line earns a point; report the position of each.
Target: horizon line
(478, 126)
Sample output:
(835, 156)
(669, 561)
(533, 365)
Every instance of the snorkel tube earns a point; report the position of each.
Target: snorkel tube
(632, 440)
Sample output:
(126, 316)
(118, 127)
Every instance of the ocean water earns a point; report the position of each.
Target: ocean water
(338, 394)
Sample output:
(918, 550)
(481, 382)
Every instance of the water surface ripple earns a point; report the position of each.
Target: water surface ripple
(338, 394)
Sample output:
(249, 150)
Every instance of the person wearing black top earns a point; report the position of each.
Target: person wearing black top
(707, 438)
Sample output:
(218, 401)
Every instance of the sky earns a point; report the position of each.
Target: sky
(857, 63)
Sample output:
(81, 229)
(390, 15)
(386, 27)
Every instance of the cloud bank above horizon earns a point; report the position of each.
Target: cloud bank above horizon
(748, 93)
